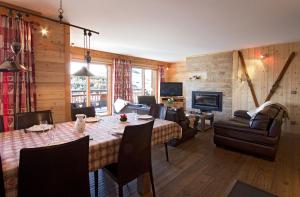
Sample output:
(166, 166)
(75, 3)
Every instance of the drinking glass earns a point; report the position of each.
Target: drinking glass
(51, 134)
(135, 114)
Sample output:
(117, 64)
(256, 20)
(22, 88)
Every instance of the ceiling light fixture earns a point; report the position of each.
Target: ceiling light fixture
(11, 64)
(87, 55)
(263, 56)
(44, 32)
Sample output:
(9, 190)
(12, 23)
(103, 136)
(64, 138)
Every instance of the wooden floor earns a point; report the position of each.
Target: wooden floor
(198, 168)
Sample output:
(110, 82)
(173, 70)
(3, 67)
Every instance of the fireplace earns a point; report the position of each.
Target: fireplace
(207, 101)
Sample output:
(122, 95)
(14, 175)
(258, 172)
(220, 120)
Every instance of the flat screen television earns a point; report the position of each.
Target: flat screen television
(170, 89)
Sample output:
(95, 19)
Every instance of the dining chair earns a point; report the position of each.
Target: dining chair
(2, 189)
(160, 111)
(88, 111)
(134, 157)
(1, 124)
(146, 100)
(28, 119)
(59, 170)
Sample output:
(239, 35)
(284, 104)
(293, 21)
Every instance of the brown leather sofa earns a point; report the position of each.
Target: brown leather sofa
(258, 135)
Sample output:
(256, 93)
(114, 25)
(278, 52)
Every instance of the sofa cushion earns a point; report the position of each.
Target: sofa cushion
(242, 114)
(239, 126)
(260, 121)
(240, 120)
(263, 119)
(254, 136)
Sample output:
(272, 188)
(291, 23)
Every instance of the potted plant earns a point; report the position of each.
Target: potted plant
(170, 101)
(123, 117)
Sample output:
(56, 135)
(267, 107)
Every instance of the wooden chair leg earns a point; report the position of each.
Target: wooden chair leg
(167, 152)
(120, 191)
(152, 182)
(96, 179)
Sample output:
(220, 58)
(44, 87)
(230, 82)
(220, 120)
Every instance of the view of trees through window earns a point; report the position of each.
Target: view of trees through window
(90, 91)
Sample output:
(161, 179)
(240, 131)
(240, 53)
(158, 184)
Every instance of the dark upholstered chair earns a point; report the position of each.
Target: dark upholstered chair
(28, 119)
(60, 170)
(146, 100)
(158, 111)
(258, 135)
(179, 117)
(134, 156)
(1, 124)
(2, 189)
(88, 111)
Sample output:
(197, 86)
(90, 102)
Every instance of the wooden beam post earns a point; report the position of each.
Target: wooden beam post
(280, 76)
(241, 57)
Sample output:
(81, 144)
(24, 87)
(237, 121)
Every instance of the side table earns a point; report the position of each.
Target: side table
(205, 116)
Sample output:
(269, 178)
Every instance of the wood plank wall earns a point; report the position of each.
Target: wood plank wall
(51, 60)
(263, 73)
(107, 58)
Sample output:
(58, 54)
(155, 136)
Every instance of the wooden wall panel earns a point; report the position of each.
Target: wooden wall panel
(107, 58)
(51, 59)
(263, 73)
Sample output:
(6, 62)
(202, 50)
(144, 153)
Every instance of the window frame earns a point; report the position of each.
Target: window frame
(152, 81)
(88, 91)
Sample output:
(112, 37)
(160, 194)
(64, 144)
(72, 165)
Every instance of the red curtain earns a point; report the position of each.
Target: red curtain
(17, 90)
(161, 70)
(122, 79)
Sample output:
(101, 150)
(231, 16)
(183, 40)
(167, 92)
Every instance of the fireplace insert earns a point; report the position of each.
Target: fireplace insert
(207, 101)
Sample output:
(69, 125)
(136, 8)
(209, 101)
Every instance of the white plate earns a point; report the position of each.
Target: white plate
(91, 119)
(39, 128)
(144, 117)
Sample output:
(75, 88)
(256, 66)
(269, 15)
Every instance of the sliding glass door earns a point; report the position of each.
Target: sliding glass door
(144, 82)
(91, 91)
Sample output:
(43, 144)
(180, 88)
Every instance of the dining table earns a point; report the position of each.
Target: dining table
(105, 137)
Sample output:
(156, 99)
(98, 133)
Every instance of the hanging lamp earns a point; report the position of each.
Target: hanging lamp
(11, 64)
(84, 72)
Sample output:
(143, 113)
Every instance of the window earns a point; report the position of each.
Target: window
(90, 91)
(144, 82)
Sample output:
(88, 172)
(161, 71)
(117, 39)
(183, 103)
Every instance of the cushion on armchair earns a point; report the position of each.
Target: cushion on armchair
(242, 114)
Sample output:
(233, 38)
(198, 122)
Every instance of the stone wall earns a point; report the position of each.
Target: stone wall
(215, 71)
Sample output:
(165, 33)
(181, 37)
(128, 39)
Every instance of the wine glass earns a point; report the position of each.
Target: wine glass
(44, 125)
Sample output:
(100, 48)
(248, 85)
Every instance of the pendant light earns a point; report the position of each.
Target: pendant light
(11, 64)
(84, 72)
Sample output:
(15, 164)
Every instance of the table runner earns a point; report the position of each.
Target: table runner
(104, 146)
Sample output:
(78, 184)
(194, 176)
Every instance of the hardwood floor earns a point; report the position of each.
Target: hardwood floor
(198, 168)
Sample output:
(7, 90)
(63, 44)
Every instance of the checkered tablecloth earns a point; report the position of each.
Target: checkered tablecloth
(104, 145)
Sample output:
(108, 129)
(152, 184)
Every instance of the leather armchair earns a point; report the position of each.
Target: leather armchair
(258, 135)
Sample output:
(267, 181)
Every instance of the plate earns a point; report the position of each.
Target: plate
(145, 117)
(91, 119)
(39, 128)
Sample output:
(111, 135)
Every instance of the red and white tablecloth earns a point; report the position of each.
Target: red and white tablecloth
(104, 145)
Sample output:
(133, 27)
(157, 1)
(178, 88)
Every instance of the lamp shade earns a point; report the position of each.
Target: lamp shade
(12, 66)
(83, 72)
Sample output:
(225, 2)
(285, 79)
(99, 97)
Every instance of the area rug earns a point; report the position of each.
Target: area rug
(245, 190)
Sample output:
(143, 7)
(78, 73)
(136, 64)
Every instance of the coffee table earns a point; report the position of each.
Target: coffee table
(201, 117)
